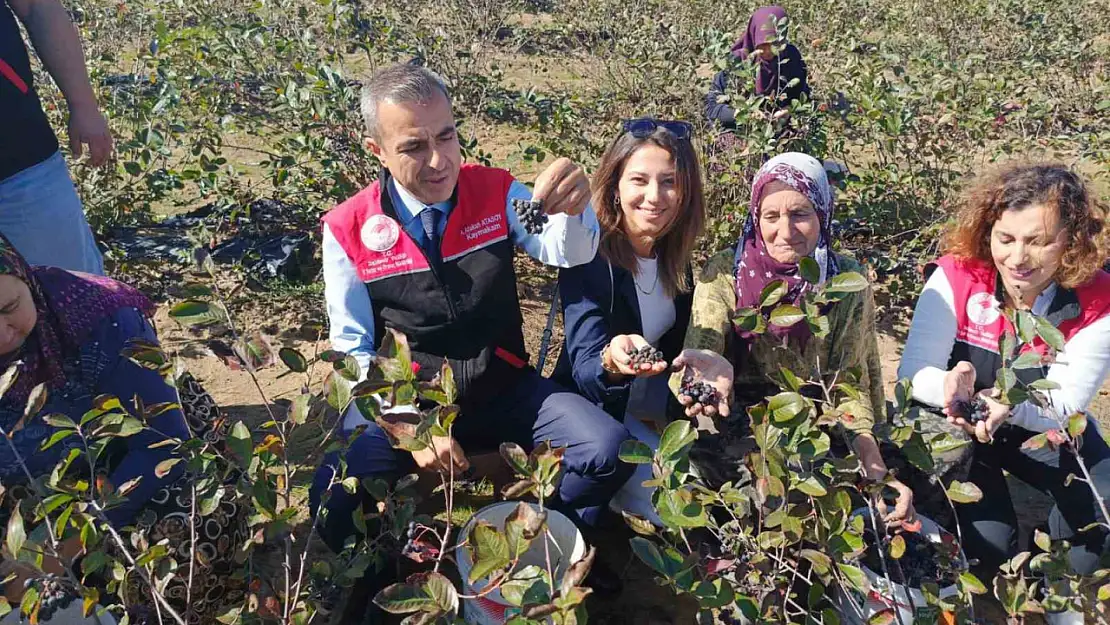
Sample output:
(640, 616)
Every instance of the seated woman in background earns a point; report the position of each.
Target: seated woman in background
(781, 77)
(647, 193)
(66, 330)
(1027, 237)
(789, 219)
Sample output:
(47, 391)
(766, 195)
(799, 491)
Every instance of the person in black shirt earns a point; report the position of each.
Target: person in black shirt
(39, 208)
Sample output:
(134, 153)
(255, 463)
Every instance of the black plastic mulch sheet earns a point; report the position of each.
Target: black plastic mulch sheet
(270, 240)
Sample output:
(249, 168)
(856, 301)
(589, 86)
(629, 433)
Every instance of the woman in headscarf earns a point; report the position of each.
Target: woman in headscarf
(781, 74)
(65, 331)
(789, 219)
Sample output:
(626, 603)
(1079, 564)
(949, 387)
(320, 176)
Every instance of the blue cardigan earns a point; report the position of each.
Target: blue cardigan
(592, 316)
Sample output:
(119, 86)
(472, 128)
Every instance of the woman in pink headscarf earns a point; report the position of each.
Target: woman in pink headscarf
(779, 64)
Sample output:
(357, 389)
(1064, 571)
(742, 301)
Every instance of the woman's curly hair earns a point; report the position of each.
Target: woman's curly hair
(1016, 186)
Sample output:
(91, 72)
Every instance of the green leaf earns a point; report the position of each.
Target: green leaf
(515, 456)
(855, 577)
(517, 586)
(786, 407)
(789, 380)
(635, 451)
(1077, 424)
(812, 486)
(293, 359)
(972, 583)
(639, 524)
(298, 409)
(821, 562)
(17, 534)
(522, 526)
(489, 549)
(239, 440)
(163, 468)
(1104, 593)
(786, 315)
(348, 368)
(676, 438)
(338, 392)
(772, 293)
(442, 592)
(1042, 540)
(809, 270)
(648, 553)
(750, 320)
(897, 547)
(8, 378)
(1045, 385)
(1053, 337)
(1027, 360)
(446, 381)
(844, 283)
(714, 594)
(404, 599)
(964, 492)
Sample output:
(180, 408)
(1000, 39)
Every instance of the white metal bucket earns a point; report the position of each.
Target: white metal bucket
(565, 544)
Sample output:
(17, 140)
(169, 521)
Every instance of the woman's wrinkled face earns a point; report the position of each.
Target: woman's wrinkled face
(1027, 245)
(788, 222)
(17, 313)
(765, 51)
(648, 192)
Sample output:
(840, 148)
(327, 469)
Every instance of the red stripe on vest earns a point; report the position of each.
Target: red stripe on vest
(9, 72)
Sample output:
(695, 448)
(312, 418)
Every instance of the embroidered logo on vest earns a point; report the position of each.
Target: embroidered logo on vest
(982, 309)
(380, 233)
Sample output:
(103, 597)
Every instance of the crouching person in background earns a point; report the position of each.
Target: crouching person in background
(427, 250)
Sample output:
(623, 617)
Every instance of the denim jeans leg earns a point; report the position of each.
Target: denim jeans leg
(42, 216)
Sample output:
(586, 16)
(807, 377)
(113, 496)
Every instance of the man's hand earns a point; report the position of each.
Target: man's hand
(87, 126)
(620, 349)
(444, 453)
(563, 188)
(707, 366)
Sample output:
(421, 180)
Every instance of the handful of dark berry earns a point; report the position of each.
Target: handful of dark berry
(646, 355)
(972, 411)
(531, 215)
(700, 391)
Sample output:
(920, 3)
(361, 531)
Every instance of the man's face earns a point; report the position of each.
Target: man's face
(420, 147)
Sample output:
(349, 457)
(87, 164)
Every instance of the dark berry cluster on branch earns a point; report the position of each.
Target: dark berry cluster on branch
(54, 594)
(531, 215)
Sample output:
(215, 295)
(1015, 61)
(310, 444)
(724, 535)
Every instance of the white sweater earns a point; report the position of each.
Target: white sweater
(1079, 370)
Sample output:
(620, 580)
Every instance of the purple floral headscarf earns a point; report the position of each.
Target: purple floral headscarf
(755, 268)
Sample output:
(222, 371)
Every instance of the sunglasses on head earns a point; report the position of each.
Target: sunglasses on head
(646, 126)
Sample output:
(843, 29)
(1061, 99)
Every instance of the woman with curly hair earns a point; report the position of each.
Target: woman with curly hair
(1027, 237)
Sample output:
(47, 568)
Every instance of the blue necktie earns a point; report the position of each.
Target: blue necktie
(429, 218)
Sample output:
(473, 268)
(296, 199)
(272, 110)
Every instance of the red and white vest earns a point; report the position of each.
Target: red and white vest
(980, 323)
(465, 309)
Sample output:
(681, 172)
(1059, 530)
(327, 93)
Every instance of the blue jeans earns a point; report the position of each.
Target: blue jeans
(41, 215)
(531, 409)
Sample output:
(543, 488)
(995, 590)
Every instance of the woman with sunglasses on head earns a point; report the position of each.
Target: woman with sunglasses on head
(789, 219)
(781, 74)
(635, 294)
